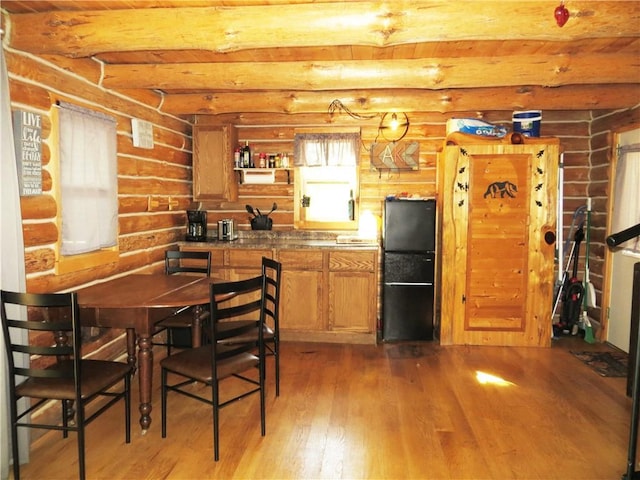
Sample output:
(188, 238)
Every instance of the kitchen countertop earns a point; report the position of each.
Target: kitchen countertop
(274, 240)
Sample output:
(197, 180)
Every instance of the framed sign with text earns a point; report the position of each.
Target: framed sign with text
(27, 133)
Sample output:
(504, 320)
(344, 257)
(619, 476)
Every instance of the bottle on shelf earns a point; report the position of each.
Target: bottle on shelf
(262, 162)
(236, 157)
(246, 155)
(285, 160)
(352, 206)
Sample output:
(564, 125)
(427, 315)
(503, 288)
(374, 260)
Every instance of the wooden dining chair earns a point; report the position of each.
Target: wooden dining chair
(177, 326)
(41, 372)
(272, 271)
(215, 362)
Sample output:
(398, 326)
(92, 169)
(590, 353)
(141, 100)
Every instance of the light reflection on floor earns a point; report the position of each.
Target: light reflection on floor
(486, 378)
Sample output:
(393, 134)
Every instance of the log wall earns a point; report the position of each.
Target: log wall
(147, 181)
(155, 185)
(585, 136)
(274, 133)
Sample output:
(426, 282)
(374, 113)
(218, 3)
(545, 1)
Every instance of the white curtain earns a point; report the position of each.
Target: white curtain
(626, 204)
(326, 149)
(12, 268)
(89, 179)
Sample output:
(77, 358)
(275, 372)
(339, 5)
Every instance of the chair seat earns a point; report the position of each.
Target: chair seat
(97, 375)
(196, 363)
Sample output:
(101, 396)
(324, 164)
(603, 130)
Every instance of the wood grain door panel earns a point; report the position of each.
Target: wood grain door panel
(499, 201)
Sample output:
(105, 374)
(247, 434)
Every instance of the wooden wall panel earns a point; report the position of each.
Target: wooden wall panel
(163, 174)
(162, 171)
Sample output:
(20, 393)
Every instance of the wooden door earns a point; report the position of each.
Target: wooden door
(499, 217)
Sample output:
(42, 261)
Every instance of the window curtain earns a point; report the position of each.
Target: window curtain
(88, 178)
(326, 149)
(626, 201)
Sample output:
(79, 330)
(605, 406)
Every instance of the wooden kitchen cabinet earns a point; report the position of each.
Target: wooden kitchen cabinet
(213, 175)
(244, 263)
(302, 291)
(217, 258)
(352, 287)
(326, 295)
(498, 222)
(233, 263)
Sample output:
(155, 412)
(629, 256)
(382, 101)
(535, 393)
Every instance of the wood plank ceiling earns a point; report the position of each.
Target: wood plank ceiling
(215, 57)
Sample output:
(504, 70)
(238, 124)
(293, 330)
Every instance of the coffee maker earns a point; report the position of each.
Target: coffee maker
(196, 226)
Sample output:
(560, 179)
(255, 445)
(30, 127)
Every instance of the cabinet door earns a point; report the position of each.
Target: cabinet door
(352, 291)
(302, 291)
(213, 175)
(301, 301)
(352, 302)
(498, 244)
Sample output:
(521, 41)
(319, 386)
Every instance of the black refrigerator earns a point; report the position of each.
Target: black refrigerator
(408, 240)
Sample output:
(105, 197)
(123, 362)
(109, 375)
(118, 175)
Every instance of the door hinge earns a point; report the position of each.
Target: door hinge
(464, 299)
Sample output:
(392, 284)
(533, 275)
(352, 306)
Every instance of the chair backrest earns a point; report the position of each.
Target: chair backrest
(272, 271)
(55, 313)
(176, 261)
(231, 302)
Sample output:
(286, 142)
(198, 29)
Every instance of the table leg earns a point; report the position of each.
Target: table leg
(131, 349)
(196, 330)
(145, 372)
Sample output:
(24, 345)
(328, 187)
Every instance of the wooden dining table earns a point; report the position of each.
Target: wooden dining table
(136, 302)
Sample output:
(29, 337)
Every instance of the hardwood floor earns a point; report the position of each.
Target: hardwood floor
(393, 411)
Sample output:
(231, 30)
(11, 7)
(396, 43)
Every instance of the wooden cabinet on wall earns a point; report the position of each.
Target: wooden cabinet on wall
(498, 223)
(213, 175)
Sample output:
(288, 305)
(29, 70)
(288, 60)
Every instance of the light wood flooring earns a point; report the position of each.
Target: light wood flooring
(392, 411)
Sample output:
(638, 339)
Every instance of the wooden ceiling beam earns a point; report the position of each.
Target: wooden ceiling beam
(579, 97)
(432, 73)
(226, 29)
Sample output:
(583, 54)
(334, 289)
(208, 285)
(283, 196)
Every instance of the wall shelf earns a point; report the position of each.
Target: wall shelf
(260, 175)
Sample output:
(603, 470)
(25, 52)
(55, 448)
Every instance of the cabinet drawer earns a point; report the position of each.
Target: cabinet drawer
(246, 257)
(217, 254)
(300, 259)
(352, 261)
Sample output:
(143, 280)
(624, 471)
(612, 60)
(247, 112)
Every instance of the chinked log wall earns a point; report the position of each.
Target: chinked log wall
(143, 177)
(147, 178)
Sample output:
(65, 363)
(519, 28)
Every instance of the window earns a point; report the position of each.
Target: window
(87, 195)
(326, 180)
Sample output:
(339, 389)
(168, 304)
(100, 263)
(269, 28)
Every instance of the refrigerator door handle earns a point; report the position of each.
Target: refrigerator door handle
(409, 284)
